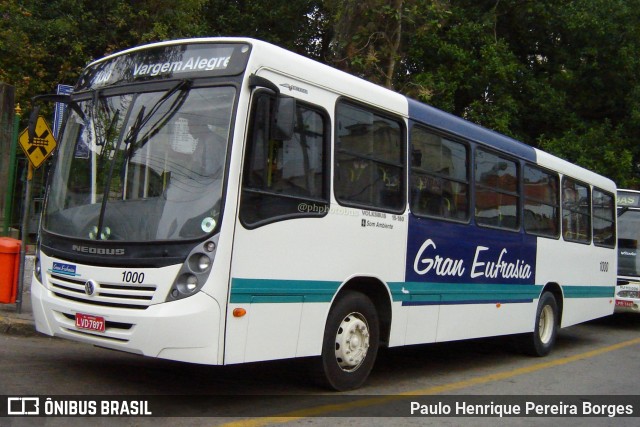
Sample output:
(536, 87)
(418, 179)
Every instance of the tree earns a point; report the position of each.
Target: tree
(369, 38)
(46, 42)
(463, 66)
(298, 25)
(596, 67)
(557, 75)
(561, 75)
(22, 63)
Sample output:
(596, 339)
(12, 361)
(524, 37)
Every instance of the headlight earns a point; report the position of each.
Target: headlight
(186, 285)
(199, 262)
(194, 272)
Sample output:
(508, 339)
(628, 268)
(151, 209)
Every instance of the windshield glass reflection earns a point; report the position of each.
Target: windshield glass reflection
(142, 167)
(628, 237)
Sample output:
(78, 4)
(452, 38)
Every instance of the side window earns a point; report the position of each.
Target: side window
(284, 179)
(604, 219)
(369, 159)
(541, 202)
(496, 188)
(439, 183)
(576, 211)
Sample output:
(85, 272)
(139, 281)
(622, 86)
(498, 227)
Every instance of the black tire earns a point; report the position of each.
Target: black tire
(540, 342)
(350, 344)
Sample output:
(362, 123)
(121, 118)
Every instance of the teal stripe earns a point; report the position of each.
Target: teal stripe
(449, 293)
(247, 291)
(589, 291)
(244, 291)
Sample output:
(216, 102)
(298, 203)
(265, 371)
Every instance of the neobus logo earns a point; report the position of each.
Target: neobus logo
(296, 88)
(97, 251)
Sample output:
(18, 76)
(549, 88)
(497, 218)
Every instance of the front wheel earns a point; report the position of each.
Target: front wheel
(541, 340)
(350, 345)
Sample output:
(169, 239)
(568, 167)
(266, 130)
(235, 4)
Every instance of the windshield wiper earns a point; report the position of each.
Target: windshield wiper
(139, 123)
(61, 98)
(183, 86)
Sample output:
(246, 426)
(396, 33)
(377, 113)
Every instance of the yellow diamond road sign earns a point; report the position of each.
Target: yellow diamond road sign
(42, 145)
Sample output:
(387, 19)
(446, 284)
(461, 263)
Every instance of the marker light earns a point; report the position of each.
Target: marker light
(239, 312)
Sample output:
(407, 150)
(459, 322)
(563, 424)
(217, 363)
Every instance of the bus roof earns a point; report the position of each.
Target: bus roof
(453, 124)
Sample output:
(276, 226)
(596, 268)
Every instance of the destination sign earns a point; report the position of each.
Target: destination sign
(163, 62)
(628, 199)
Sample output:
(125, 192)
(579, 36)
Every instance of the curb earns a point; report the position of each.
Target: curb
(17, 327)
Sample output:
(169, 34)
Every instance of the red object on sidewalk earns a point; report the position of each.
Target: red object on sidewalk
(9, 269)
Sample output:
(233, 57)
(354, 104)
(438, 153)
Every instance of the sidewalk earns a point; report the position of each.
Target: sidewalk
(12, 322)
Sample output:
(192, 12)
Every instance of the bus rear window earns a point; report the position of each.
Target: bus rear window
(541, 202)
(576, 211)
(604, 231)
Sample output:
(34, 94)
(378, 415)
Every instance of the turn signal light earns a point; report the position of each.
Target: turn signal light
(239, 312)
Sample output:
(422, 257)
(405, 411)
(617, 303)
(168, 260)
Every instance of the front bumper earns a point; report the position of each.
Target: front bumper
(185, 330)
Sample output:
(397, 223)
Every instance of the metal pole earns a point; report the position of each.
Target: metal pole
(25, 235)
(8, 205)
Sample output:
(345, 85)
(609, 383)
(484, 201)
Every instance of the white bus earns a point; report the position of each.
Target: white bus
(223, 200)
(628, 289)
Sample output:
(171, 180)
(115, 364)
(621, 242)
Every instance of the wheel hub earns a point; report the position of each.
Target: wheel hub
(352, 342)
(545, 324)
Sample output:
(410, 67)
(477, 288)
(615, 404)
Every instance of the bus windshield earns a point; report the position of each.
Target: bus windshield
(142, 166)
(629, 235)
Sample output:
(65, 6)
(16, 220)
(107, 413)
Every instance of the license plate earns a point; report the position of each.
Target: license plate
(621, 303)
(89, 322)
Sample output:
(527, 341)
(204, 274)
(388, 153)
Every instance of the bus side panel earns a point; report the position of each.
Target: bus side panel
(583, 308)
(483, 278)
(458, 322)
(585, 273)
(424, 315)
(286, 275)
(257, 332)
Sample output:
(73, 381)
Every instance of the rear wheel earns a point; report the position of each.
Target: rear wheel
(350, 344)
(541, 340)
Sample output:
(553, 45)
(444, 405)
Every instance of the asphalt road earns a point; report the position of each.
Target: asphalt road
(598, 358)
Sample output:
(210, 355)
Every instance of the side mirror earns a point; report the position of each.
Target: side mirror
(283, 118)
(35, 113)
(33, 119)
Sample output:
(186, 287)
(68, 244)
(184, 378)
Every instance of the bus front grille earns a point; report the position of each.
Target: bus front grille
(118, 295)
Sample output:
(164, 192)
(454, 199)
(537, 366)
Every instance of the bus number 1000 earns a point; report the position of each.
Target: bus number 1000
(132, 277)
